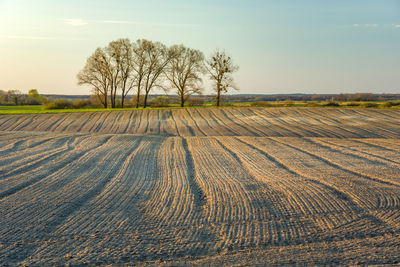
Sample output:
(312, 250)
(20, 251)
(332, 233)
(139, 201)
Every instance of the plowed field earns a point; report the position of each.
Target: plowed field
(229, 186)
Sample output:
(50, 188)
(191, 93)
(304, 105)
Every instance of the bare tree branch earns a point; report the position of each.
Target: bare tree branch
(220, 68)
(184, 71)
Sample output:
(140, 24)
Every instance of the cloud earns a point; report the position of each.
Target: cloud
(75, 22)
(397, 25)
(366, 25)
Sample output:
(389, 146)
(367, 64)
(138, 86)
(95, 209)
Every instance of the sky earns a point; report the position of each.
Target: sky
(281, 46)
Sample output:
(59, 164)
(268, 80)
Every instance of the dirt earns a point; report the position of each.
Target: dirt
(230, 186)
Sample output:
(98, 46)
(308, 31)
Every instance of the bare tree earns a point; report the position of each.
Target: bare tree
(121, 55)
(113, 62)
(139, 67)
(109, 71)
(184, 71)
(16, 96)
(96, 74)
(157, 56)
(220, 67)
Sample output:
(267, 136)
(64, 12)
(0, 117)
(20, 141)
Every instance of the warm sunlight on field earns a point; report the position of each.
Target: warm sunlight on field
(201, 186)
(199, 133)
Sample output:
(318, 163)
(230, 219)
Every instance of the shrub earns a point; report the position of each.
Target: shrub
(389, 104)
(59, 104)
(192, 102)
(395, 103)
(227, 104)
(331, 104)
(135, 100)
(288, 103)
(32, 101)
(261, 104)
(159, 102)
(83, 104)
(313, 104)
(352, 104)
(369, 105)
(68, 104)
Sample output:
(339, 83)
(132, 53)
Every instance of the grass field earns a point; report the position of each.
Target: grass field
(201, 186)
(7, 110)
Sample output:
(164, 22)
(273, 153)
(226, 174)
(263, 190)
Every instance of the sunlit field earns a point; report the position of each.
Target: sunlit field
(235, 186)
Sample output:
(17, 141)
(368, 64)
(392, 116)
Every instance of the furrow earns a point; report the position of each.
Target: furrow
(305, 167)
(339, 161)
(353, 149)
(38, 172)
(199, 195)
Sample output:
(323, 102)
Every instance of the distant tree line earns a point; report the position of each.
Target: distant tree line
(137, 68)
(16, 97)
(312, 97)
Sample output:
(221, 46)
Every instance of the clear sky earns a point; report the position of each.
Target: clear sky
(281, 46)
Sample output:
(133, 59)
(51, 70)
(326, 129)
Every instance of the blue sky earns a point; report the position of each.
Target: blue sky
(281, 46)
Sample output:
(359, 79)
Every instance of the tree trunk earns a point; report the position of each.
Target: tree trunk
(111, 94)
(145, 100)
(114, 99)
(182, 101)
(113, 102)
(137, 98)
(123, 94)
(218, 97)
(105, 101)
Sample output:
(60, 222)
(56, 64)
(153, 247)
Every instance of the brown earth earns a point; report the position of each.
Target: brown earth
(230, 186)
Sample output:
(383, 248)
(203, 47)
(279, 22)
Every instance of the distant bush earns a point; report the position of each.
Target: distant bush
(135, 100)
(68, 104)
(313, 104)
(261, 104)
(288, 103)
(369, 105)
(330, 104)
(192, 102)
(84, 104)
(59, 104)
(159, 102)
(227, 104)
(389, 104)
(352, 104)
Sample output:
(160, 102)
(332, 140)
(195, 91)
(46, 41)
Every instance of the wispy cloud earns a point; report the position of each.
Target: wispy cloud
(75, 22)
(376, 25)
(366, 25)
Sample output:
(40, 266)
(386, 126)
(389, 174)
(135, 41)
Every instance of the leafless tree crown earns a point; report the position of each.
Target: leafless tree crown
(185, 70)
(141, 66)
(220, 68)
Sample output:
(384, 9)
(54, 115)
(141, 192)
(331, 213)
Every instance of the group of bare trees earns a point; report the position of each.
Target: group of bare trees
(125, 67)
(16, 97)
